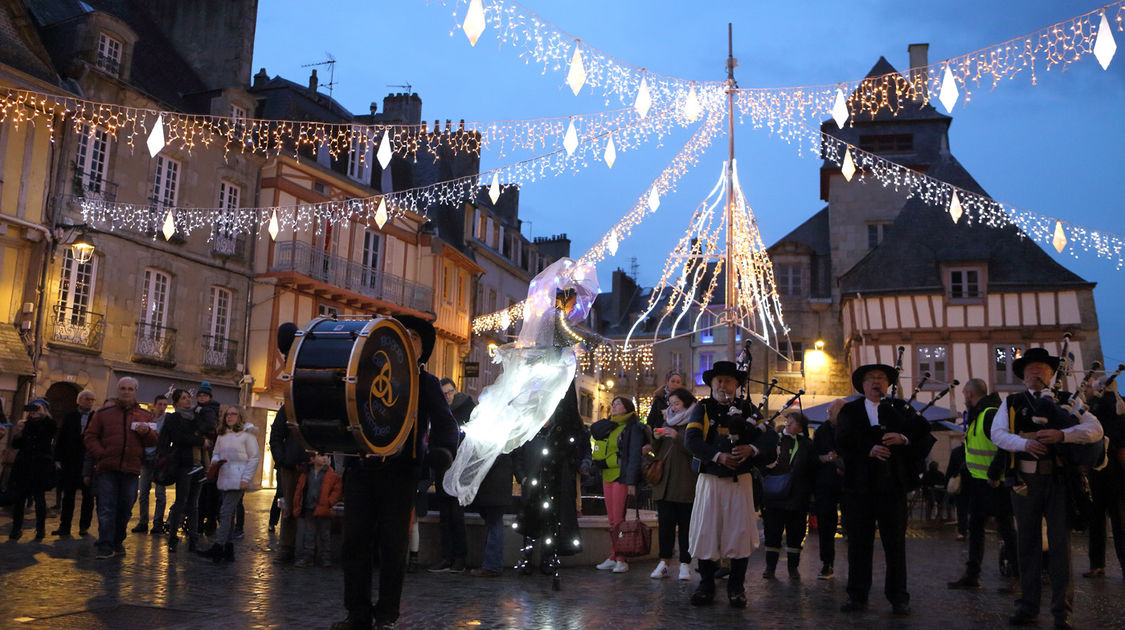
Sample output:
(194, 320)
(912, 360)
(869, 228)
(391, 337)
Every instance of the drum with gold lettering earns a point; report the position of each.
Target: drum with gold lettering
(353, 385)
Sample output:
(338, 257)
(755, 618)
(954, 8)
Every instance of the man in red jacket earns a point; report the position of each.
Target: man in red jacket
(116, 438)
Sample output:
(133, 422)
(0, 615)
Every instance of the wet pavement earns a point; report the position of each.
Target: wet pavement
(59, 584)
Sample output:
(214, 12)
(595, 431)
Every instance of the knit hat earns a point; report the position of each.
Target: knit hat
(42, 404)
(204, 388)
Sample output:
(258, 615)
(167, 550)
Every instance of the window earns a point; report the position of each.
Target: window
(887, 143)
(785, 365)
(90, 161)
(932, 359)
(445, 282)
(218, 323)
(223, 238)
(706, 360)
(76, 290)
(480, 230)
(109, 54)
(585, 404)
(1002, 375)
(788, 279)
(167, 181)
(154, 298)
(492, 300)
(677, 361)
(460, 289)
(964, 283)
(360, 155)
(326, 310)
(370, 258)
(238, 119)
(494, 242)
(877, 233)
(707, 327)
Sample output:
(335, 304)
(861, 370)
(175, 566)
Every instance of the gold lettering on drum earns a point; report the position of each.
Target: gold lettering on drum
(381, 385)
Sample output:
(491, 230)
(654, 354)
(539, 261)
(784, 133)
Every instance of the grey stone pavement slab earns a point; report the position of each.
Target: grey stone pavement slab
(59, 584)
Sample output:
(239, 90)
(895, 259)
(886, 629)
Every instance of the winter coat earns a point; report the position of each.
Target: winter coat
(285, 447)
(69, 449)
(180, 436)
(801, 466)
(34, 468)
(331, 489)
(655, 418)
(677, 484)
(829, 475)
(113, 443)
(623, 461)
(462, 407)
(239, 451)
(496, 487)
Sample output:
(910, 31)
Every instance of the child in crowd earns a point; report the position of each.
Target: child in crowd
(318, 489)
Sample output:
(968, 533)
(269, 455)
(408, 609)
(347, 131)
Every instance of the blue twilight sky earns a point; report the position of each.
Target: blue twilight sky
(1055, 148)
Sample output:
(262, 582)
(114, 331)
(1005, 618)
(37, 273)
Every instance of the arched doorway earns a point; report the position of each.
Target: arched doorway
(63, 398)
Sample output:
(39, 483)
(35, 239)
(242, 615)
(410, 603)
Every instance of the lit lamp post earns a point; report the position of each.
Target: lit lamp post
(82, 250)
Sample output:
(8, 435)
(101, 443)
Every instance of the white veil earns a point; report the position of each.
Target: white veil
(535, 373)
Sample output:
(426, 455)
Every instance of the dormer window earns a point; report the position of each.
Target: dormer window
(965, 283)
(887, 143)
(238, 119)
(109, 54)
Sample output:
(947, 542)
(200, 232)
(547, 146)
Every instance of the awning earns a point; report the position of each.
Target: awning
(151, 386)
(13, 353)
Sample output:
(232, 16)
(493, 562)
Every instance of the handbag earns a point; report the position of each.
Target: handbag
(652, 467)
(631, 538)
(777, 486)
(953, 486)
(213, 470)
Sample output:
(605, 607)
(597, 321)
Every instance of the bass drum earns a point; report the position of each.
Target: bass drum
(353, 384)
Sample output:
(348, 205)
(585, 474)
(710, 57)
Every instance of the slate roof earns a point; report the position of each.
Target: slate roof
(813, 233)
(909, 111)
(13, 352)
(923, 237)
(21, 52)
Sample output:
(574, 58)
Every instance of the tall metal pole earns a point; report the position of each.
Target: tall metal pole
(731, 298)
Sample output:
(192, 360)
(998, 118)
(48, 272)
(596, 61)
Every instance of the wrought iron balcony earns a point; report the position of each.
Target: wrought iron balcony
(227, 245)
(337, 271)
(77, 327)
(110, 65)
(93, 187)
(219, 353)
(155, 344)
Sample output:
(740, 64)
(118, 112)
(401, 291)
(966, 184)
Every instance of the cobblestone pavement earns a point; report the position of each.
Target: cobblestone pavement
(59, 584)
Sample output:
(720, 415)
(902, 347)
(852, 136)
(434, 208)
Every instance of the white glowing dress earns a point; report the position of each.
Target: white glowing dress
(535, 373)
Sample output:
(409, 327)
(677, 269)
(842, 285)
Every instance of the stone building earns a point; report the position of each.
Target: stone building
(171, 312)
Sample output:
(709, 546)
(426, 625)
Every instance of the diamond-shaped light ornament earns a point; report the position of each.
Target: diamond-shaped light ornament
(848, 167)
(949, 93)
(155, 140)
(570, 140)
(840, 109)
(576, 77)
(494, 189)
(1059, 241)
(381, 214)
(692, 108)
(169, 226)
(505, 320)
(474, 22)
(274, 228)
(384, 153)
(653, 199)
(611, 244)
(955, 210)
(1104, 45)
(610, 153)
(644, 99)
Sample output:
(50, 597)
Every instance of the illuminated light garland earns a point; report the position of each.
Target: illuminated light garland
(970, 206)
(784, 109)
(612, 358)
(690, 275)
(160, 129)
(664, 183)
(543, 44)
(378, 209)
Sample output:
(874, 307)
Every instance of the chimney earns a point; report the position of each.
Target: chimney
(447, 125)
(261, 78)
(374, 107)
(919, 73)
(313, 81)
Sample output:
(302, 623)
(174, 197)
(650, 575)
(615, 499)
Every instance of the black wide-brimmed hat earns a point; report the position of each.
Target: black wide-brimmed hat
(425, 330)
(1034, 355)
(861, 371)
(724, 368)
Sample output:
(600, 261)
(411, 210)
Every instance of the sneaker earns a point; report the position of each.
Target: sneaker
(621, 567)
(444, 567)
(826, 573)
(685, 572)
(606, 565)
(458, 566)
(141, 528)
(660, 572)
(104, 553)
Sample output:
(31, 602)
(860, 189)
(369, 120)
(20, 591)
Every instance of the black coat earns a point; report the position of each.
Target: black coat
(829, 475)
(864, 474)
(70, 450)
(655, 418)
(713, 428)
(179, 435)
(496, 487)
(802, 471)
(462, 407)
(34, 468)
(286, 447)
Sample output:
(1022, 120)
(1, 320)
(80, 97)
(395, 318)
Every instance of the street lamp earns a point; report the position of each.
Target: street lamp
(82, 250)
(609, 384)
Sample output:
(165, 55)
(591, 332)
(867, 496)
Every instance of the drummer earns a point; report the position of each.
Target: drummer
(379, 494)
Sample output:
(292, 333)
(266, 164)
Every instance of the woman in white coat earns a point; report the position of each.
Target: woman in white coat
(236, 454)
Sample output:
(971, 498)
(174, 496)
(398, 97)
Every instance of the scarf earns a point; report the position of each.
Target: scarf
(621, 418)
(674, 419)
